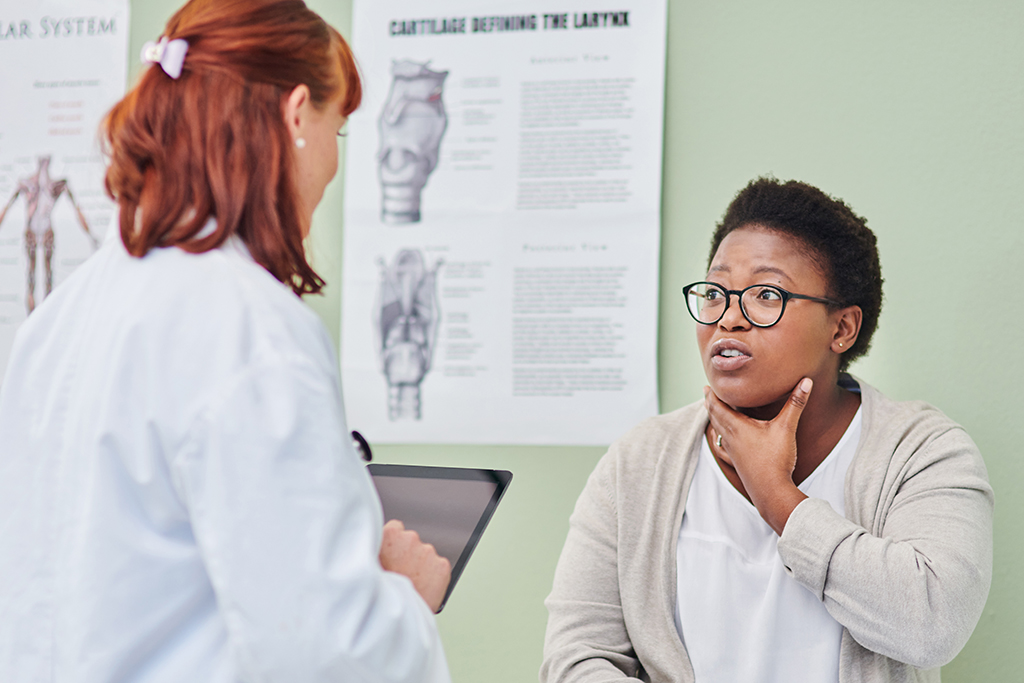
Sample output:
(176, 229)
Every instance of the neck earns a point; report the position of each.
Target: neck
(823, 422)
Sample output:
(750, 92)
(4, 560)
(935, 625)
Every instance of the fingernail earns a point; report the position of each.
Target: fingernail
(805, 385)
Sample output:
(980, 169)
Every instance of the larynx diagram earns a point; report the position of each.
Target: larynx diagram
(411, 127)
(41, 193)
(407, 318)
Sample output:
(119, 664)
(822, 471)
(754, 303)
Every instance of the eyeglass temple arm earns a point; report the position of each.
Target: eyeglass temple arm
(813, 298)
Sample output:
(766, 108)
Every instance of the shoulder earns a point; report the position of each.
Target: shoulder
(188, 324)
(910, 428)
(222, 299)
(913, 441)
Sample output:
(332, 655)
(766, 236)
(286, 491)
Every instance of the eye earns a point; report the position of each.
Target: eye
(767, 294)
(713, 295)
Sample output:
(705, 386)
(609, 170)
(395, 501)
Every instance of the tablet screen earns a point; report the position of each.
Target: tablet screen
(448, 507)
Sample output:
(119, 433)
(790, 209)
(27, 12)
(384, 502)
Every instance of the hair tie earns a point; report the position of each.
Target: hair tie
(170, 55)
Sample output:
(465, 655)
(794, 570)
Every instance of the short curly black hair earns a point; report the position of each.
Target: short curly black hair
(837, 239)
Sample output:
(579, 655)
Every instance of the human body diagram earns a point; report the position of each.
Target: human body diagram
(41, 193)
(407, 317)
(411, 127)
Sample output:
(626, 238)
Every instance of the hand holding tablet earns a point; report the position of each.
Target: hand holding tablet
(402, 551)
(449, 507)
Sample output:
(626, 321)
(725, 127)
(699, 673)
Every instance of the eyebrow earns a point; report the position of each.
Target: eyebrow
(771, 269)
(757, 271)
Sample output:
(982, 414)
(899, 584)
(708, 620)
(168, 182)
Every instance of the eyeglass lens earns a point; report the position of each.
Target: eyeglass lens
(762, 304)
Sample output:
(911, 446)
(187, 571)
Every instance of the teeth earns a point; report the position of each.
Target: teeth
(731, 353)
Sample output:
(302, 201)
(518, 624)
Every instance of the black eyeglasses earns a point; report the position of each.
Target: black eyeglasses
(761, 305)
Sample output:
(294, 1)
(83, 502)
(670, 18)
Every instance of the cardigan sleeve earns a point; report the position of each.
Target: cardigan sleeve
(913, 587)
(586, 638)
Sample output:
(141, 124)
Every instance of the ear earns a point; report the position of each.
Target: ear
(295, 110)
(847, 327)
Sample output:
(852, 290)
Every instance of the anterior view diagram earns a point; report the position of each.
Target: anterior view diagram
(411, 127)
(41, 193)
(406, 325)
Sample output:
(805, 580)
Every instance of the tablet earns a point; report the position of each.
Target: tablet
(448, 507)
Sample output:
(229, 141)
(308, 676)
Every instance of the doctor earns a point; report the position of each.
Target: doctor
(179, 498)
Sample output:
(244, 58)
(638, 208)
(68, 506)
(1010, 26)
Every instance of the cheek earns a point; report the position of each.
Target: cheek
(814, 335)
(328, 162)
(803, 351)
(334, 158)
(704, 334)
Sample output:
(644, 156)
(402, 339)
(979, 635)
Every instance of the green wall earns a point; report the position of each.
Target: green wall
(913, 112)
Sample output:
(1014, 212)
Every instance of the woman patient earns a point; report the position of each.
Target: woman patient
(796, 525)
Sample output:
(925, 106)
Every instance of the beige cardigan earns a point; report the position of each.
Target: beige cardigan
(907, 574)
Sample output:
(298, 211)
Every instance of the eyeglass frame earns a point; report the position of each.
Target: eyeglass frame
(729, 293)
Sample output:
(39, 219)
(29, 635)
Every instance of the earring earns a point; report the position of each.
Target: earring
(840, 344)
(300, 142)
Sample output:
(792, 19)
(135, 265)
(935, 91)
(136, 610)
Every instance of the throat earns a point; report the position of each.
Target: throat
(820, 434)
(765, 413)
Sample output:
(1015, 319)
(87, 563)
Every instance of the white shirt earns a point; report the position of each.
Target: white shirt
(179, 496)
(740, 615)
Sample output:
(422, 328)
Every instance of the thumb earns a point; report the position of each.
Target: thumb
(796, 403)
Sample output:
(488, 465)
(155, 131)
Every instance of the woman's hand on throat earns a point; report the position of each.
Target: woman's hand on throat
(762, 452)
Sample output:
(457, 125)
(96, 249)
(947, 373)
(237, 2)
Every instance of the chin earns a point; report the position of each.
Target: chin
(742, 393)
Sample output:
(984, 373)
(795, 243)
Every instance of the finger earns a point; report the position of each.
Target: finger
(721, 415)
(718, 448)
(716, 428)
(794, 407)
(710, 400)
(391, 533)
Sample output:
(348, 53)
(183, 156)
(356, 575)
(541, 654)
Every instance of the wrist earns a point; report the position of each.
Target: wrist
(777, 503)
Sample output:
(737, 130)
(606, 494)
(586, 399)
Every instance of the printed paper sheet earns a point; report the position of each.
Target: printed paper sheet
(502, 207)
(64, 66)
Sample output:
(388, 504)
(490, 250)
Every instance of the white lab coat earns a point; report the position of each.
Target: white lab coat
(179, 497)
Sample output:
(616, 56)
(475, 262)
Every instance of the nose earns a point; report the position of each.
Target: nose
(734, 318)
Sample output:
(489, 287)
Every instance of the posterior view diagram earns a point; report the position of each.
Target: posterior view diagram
(411, 127)
(406, 323)
(41, 193)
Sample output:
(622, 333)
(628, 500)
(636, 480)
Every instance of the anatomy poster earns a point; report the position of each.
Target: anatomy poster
(64, 66)
(502, 210)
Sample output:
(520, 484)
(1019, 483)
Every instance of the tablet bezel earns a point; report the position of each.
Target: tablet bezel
(500, 478)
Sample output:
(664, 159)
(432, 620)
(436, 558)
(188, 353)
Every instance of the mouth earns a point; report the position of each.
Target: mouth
(729, 354)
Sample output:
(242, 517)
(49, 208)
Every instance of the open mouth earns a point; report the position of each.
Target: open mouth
(729, 354)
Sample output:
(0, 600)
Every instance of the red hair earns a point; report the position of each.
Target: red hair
(214, 141)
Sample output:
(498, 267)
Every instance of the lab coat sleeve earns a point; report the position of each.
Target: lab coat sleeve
(289, 528)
